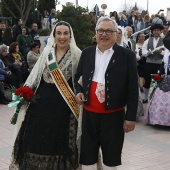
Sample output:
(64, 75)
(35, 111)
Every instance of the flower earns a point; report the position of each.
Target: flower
(25, 92)
(157, 77)
(21, 96)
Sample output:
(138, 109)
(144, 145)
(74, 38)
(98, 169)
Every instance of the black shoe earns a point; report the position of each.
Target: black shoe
(3, 102)
(145, 100)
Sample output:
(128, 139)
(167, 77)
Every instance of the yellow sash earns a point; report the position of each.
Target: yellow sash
(61, 83)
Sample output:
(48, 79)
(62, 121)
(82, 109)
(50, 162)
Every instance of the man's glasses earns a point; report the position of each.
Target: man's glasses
(108, 32)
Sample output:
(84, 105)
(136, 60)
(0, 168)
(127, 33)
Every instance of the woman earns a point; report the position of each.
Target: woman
(24, 40)
(140, 59)
(7, 37)
(123, 21)
(139, 24)
(120, 37)
(115, 14)
(158, 112)
(33, 55)
(13, 66)
(18, 60)
(147, 25)
(46, 139)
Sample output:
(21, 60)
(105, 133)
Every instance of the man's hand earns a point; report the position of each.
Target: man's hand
(80, 98)
(128, 126)
(8, 73)
(159, 51)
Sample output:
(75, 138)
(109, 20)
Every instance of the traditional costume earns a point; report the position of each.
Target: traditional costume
(45, 134)
(158, 112)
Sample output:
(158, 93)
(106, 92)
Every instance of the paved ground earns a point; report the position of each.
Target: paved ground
(146, 148)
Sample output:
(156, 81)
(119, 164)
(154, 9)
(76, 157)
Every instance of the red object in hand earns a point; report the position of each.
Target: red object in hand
(25, 92)
(157, 77)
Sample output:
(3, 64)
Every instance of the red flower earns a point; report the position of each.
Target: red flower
(157, 77)
(25, 92)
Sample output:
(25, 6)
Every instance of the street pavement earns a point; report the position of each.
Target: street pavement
(146, 148)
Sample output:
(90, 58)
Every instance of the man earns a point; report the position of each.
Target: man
(34, 33)
(153, 58)
(131, 43)
(157, 20)
(109, 77)
(17, 28)
(165, 30)
(132, 19)
(33, 55)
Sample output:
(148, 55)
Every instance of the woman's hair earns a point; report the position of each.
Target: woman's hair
(147, 18)
(138, 35)
(62, 23)
(33, 45)
(124, 17)
(3, 48)
(7, 33)
(12, 47)
(24, 27)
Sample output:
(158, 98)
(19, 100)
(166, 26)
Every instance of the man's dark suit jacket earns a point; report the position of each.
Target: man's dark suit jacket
(121, 80)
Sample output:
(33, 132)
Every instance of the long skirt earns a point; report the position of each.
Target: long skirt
(158, 112)
(47, 138)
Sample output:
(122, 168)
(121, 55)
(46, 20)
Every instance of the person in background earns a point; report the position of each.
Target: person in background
(34, 33)
(13, 66)
(15, 56)
(165, 30)
(158, 112)
(153, 59)
(7, 37)
(16, 29)
(115, 14)
(6, 75)
(130, 42)
(123, 21)
(33, 55)
(141, 60)
(110, 83)
(162, 17)
(147, 25)
(120, 37)
(132, 19)
(52, 16)
(157, 20)
(139, 24)
(24, 40)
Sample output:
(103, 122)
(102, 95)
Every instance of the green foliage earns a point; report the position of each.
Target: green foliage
(46, 5)
(44, 32)
(79, 21)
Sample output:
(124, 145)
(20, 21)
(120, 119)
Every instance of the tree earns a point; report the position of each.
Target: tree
(43, 5)
(79, 21)
(17, 8)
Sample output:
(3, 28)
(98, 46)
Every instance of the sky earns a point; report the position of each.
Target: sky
(153, 5)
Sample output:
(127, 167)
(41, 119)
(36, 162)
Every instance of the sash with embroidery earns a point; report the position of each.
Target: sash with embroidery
(61, 83)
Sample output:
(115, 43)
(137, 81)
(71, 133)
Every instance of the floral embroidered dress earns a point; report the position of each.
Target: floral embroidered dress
(158, 112)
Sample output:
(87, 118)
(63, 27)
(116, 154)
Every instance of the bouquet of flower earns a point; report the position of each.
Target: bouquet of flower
(20, 96)
(156, 78)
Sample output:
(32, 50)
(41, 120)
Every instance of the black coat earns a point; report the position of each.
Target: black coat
(121, 80)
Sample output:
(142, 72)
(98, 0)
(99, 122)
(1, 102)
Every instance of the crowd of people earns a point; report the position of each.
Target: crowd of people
(88, 99)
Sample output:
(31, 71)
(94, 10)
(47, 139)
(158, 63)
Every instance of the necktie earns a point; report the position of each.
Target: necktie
(129, 44)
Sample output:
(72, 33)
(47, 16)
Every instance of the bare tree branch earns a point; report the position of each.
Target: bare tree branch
(6, 7)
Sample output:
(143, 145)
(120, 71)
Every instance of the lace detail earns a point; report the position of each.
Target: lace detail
(100, 92)
(164, 85)
(65, 66)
